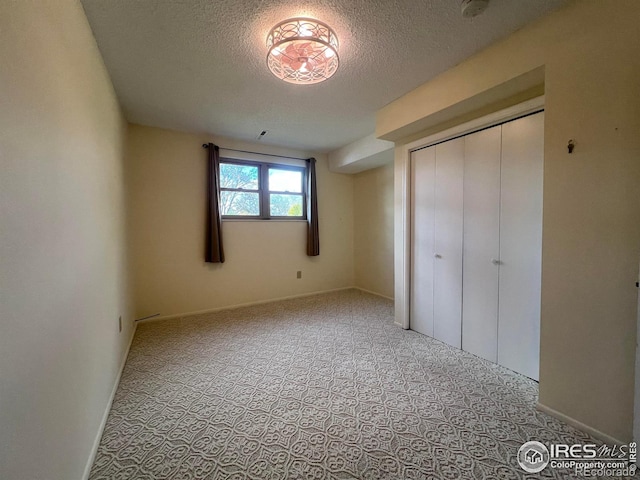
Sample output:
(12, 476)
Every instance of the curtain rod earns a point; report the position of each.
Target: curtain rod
(204, 145)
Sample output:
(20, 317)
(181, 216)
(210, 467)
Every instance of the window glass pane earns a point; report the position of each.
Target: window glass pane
(239, 203)
(238, 176)
(285, 180)
(285, 205)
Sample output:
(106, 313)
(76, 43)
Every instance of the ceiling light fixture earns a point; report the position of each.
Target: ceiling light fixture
(302, 51)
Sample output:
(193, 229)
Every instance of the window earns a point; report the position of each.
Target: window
(265, 191)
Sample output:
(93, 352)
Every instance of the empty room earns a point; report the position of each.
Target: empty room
(324, 239)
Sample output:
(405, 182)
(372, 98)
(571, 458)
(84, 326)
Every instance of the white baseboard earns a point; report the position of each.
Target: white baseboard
(373, 293)
(105, 415)
(241, 305)
(608, 439)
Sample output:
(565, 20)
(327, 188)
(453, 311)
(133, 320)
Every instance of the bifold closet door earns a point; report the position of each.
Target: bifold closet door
(423, 171)
(521, 244)
(447, 286)
(481, 243)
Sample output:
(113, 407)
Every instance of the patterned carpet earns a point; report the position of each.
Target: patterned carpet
(322, 387)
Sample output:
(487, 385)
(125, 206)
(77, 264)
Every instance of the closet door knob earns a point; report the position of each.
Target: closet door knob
(496, 262)
(437, 255)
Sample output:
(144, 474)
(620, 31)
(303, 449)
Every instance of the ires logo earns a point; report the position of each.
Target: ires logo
(586, 459)
(559, 451)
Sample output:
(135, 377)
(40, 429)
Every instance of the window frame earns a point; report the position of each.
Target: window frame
(264, 194)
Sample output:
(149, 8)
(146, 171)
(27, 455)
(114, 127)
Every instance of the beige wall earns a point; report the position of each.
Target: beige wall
(62, 255)
(168, 193)
(373, 221)
(591, 229)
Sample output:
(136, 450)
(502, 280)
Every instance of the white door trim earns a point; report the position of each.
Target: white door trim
(402, 194)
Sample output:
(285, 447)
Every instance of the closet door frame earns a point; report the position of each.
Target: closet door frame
(402, 233)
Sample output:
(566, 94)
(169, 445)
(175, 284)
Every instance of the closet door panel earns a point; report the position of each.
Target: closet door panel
(423, 170)
(521, 244)
(481, 243)
(447, 296)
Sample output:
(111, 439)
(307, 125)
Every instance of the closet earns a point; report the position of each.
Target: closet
(476, 242)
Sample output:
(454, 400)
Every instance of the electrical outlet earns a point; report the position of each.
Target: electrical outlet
(120, 324)
(299, 274)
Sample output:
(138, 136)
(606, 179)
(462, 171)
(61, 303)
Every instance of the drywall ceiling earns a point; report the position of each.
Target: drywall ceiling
(200, 66)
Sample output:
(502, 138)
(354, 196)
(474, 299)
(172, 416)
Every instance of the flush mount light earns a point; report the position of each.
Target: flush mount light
(302, 51)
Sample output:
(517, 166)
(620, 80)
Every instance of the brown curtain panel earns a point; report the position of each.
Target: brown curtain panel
(313, 235)
(214, 252)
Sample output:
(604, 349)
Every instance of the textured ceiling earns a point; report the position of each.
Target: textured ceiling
(200, 66)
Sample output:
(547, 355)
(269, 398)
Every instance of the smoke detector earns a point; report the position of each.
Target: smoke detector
(473, 8)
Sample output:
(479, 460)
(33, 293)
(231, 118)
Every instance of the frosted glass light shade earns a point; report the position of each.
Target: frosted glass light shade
(302, 51)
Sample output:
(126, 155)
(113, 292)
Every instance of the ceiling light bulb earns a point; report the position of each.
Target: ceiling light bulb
(329, 53)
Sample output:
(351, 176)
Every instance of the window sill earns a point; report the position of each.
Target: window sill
(263, 220)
